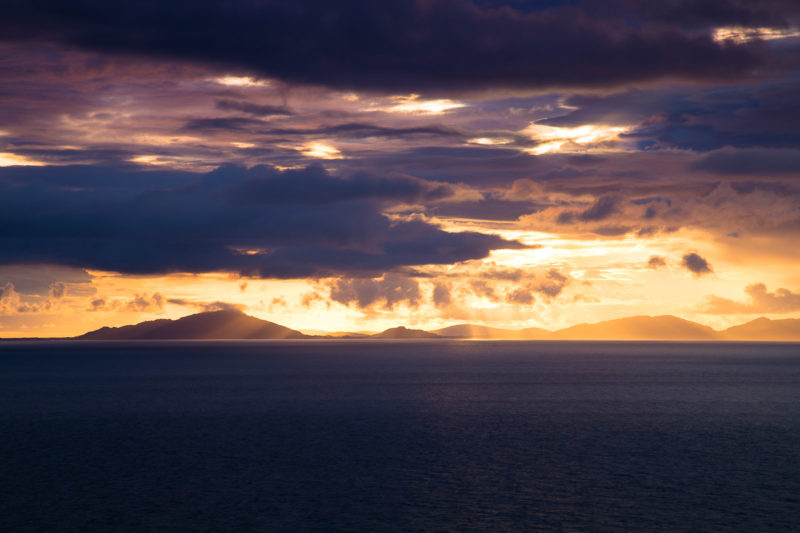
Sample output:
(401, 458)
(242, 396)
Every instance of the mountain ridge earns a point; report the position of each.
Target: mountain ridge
(227, 324)
(785, 329)
(664, 327)
(234, 324)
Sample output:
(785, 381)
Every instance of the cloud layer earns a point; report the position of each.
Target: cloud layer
(258, 222)
(406, 46)
(524, 161)
(761, 301)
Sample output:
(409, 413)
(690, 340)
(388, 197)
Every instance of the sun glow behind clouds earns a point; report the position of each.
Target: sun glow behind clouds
(165, 161)
(412, 104)
(580, 138)
(240, 81)
(7, 159)
(490, 141)
(741, 34)
(320, 150)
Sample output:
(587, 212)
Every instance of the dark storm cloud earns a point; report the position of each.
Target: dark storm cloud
(771, 187)
(486, 209)
(250, 108)
(710, 13)
(105, 181)
(222, 123)
(346, 131)
(696, 264)
(754, 161)
(258, 222)
(747, 116)
(475, 166)
(315, 186)
(601, 209)
(358, 131)
(691, 13)
(392, 45)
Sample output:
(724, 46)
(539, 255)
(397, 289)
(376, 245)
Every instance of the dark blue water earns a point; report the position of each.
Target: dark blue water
(399, 436)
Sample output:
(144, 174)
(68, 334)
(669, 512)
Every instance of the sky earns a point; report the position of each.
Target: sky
(358, 165)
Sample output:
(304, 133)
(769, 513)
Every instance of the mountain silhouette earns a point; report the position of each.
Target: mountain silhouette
(226, 324)
(232, 325)
(474, 331)
(764, 329)
(667, 327)
(405, 333)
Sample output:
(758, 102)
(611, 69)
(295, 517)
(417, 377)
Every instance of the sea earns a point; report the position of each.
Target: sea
(421, 435)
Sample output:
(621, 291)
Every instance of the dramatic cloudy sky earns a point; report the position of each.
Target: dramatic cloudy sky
(358, 165)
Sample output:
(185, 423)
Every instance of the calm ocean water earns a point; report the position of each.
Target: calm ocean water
(399, 436)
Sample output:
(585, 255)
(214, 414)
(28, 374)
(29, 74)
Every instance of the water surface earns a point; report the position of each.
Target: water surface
(399, 436)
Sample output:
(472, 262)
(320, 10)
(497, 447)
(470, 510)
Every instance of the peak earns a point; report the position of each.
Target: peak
(226, 311)
(404, 333)
(219, 324)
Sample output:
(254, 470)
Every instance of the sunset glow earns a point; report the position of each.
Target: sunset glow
(400, 265)
(412, 104)
(511, 180)
(742, 35)
(580, 138)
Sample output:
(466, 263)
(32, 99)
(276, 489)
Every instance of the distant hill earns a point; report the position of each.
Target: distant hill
(764, 329)
(405, 333)
(631, 328)
(339, 334)
(232, 324)
(534, 333)
(226, 324)
(474, 331)
(669, 328)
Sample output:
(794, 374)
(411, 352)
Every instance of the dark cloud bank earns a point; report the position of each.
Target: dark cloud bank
(397, 45)
(258, 222)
